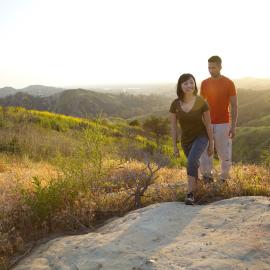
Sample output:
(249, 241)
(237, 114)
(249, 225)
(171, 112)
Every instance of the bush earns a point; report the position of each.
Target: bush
(134, 123)
(44, 200)
(158, 126)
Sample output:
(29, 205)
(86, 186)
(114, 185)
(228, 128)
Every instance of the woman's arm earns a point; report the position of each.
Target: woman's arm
(207, 123)
(174, 133)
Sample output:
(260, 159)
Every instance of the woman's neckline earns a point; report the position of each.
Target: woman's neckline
(191, 108)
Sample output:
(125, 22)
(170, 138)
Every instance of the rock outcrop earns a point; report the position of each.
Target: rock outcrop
(229, 234)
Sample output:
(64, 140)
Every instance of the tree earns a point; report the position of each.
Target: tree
(134, 123)
(158, 126)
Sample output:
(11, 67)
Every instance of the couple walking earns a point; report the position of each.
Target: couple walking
(206, 122)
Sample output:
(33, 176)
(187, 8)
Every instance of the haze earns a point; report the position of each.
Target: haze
(65, 42)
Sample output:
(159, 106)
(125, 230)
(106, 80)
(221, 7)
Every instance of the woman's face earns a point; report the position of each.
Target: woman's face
(188, 86)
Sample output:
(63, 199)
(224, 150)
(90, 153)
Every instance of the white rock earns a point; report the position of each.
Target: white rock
(229, 234)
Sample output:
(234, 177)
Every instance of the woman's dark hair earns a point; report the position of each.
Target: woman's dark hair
(184, 77)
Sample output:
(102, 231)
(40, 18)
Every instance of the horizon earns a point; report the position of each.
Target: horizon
(101, 42)
(123, 84)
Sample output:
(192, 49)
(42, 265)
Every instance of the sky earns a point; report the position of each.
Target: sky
(86, 42)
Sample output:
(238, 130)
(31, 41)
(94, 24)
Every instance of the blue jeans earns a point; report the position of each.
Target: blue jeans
(193, 152)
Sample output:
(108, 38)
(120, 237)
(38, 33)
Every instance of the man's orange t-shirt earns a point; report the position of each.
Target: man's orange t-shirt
(217, 92)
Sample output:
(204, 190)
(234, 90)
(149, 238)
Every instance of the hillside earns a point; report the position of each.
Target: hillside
(251, 144)
(62, 175)
(165, 89)
(27, 101)
(253, 105)
(254, 109)
(263, 121)
(34, 90)
(86, 103)
(6, 91)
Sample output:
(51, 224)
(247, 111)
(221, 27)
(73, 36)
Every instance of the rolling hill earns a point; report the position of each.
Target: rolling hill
(34, 90)
(86, 103)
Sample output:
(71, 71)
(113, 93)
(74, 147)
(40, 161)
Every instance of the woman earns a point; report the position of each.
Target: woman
(193, 115)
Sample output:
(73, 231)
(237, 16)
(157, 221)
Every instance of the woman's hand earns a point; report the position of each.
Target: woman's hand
(210, 149)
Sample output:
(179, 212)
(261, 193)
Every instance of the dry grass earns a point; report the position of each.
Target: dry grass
(246, 180)
(14, 174)
(18, 228)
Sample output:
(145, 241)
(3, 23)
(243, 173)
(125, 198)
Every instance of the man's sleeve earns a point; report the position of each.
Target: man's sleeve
(232, 90)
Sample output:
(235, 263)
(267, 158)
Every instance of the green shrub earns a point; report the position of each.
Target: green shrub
(44, 200)
(134, 123)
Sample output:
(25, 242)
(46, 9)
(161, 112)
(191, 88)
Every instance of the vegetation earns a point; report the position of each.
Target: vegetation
(86, 103)
(253, 105)
(60, 174)
(254, 111)
(158, 126)
(251, 143)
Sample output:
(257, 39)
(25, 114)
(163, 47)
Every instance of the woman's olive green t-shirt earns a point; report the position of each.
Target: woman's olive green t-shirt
(191, 122)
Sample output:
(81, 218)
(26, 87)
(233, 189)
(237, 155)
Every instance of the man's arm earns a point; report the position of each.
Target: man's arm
(207, 123)
(234, 114)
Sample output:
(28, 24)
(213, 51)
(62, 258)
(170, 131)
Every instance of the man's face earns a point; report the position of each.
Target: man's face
(214, 69)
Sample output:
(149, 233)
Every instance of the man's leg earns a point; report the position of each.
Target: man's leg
(223, 145)
(206, 165)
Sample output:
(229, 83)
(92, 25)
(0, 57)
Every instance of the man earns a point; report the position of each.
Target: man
(220, 93)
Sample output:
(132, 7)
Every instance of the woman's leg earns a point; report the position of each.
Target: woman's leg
(196, 150)
(192, 184)
(190, 179)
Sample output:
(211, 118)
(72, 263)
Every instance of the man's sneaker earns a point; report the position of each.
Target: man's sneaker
(208, 179)
(189, 199)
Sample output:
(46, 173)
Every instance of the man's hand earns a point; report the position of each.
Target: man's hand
(232, 132)
(210, 149)
(176, 152)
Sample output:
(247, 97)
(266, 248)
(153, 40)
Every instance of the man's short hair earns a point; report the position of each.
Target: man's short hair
(215, 59)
